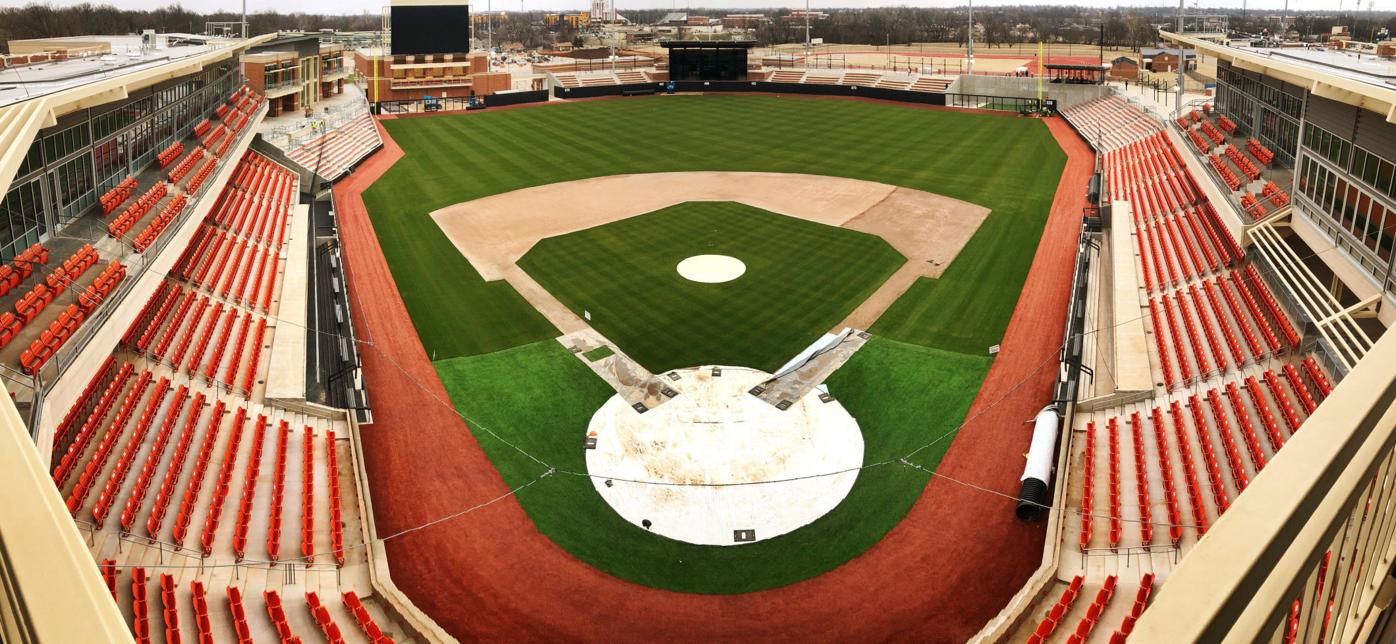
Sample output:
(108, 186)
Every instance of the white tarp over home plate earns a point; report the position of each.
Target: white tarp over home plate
(714, 432)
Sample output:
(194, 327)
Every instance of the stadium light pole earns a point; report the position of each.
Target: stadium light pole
(1182, 62)
(969, 43)
(806, 33)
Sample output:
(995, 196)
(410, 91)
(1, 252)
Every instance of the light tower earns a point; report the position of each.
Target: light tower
(1182, 62)
(969, 43)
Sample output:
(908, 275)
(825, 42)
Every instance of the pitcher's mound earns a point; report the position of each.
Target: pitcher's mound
(711, 269)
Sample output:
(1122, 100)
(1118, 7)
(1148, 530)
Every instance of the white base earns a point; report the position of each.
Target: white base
(715, 432)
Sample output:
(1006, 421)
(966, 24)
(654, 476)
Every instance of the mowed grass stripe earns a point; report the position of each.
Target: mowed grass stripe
(1008, 165)
(801, 278)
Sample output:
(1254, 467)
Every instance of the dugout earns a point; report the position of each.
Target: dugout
(713, 60)
(1076, 74)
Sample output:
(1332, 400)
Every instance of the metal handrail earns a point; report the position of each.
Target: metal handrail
(1239, 582)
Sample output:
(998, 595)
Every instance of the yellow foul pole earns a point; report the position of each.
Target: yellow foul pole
(1039, 73)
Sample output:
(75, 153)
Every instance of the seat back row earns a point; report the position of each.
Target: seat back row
(112, 199)
(50, 340)
(124, 222)
(152, 231)
(21, 267)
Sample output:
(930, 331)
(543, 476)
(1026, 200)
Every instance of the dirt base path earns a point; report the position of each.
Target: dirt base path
(494, 232)
(940, 575)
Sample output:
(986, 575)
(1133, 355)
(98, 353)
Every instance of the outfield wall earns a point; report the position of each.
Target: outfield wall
(905, 96)
(1066, 94)
(751, 86)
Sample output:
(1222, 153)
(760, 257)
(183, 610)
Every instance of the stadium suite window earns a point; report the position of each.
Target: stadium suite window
(1329, 145)
(73, 188)
(23, 218)
(1374, 171)
(1369, 220)
(32, 161)
(110, 158)
(67, 141)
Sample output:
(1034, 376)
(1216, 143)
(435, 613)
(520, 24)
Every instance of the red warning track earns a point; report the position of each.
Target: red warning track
(940, 575)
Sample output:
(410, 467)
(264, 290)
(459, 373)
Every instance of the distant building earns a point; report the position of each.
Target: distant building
(674, 18)
(1166, 60)
(294, 72)
(482, 19)
(798, 15)
(744, 20)
(1124, 68)
(573, 20)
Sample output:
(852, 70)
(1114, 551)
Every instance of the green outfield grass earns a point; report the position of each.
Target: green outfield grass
(909, 386)
(801, 279)
(1010, 165)
(903, 396)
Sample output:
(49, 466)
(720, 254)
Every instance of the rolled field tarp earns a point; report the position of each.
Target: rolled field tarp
(1033, 498)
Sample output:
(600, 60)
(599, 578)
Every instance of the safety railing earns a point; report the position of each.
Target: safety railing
(288, 137)
(1305, 553)
(136, 266)
(50, 590)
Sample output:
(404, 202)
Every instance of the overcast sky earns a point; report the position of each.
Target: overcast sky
(359, 6)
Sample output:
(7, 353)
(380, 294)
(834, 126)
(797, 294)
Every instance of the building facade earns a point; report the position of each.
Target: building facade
(295, 73)
(1344, 159)
(91, 150)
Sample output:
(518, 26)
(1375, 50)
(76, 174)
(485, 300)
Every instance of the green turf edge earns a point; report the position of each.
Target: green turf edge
(902, 395)
(598, 353)
(1008, 165)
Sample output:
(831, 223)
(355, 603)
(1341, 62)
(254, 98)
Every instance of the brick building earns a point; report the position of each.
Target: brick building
(295, 72)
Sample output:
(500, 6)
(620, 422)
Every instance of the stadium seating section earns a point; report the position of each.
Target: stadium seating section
(333, 153)
(1233, 383)
(1110, 122)
(212, 615)
(171, 439)
(1239, 165)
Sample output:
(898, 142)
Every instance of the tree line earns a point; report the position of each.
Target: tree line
(45, 20)
(1129, 28)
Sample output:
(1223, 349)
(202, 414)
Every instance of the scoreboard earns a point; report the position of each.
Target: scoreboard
(427, 27)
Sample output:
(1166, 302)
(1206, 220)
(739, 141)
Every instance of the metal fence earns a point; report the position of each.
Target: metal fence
(976, 101)
(457, 103)
(289, 137)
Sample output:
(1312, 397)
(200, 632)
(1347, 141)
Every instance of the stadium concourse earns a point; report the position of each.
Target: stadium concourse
(940, 575)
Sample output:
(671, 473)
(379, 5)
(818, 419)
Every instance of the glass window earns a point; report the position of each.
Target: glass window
(72, 188)
(22, 218)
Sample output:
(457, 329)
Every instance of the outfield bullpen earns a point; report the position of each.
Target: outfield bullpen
(959, 314)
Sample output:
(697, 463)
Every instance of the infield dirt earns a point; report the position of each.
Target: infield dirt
(494, 232)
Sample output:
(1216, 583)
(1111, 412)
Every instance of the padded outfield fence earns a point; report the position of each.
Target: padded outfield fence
(1010, 104)
(457, 103)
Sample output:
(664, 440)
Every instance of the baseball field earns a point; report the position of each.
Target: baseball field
(1004, 163)
(528, 400)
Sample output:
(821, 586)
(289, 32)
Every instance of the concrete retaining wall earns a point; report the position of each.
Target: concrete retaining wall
(1011, 86)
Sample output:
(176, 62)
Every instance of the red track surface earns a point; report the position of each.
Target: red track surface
(948, 568)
